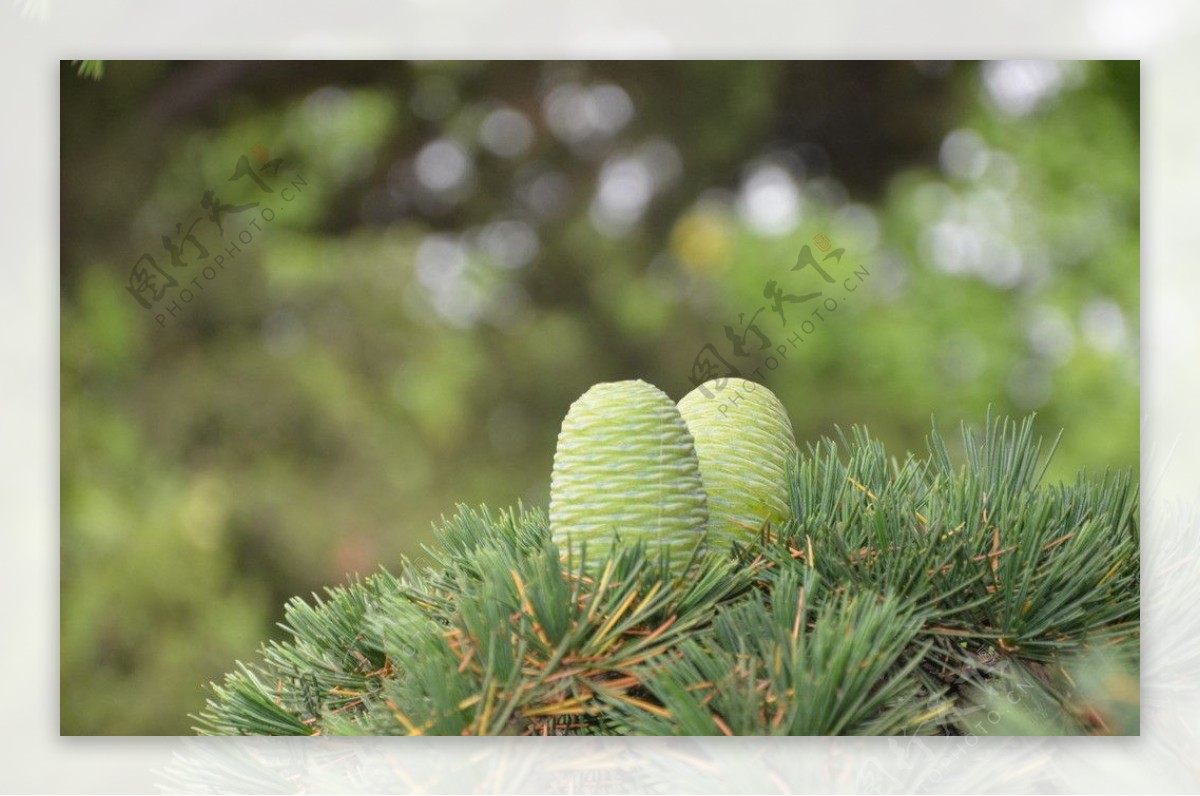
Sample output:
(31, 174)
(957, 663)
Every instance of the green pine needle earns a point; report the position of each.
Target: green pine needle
(89, 69)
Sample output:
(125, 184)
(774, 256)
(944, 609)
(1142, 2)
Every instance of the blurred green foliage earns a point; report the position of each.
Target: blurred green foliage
(470, 246)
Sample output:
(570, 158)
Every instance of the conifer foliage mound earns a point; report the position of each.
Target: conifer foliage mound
(900, 596)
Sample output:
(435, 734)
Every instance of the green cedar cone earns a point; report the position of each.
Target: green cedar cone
(745, 443)
(626, 466)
